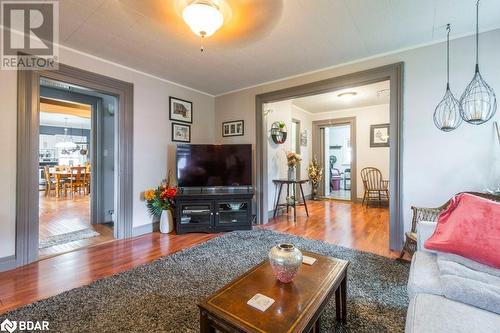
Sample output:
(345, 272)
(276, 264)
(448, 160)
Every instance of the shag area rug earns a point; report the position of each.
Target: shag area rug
(162, 296)
(67, 237)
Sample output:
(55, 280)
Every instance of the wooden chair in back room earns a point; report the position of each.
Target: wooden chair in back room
(376, 188)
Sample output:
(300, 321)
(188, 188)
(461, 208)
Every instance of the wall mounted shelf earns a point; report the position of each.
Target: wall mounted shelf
(278, 132)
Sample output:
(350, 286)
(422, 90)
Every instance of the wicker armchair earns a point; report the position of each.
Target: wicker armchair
(430, 215)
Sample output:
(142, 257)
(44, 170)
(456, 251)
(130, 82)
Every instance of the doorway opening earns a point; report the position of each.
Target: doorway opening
(76, 167)
(392, 77)
(337, 148)
(51, 86)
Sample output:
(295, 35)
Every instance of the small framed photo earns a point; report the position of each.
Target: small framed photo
(233, 128)
(180, 110)
(303, 138)
(181, 132)
(379, 135)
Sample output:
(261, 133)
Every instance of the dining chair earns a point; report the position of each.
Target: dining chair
(50, 182)
(63, 176)
(375, 187)
(87, 178)
(76, 181)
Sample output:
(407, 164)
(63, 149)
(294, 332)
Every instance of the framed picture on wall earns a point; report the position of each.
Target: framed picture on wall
(181, 132)
(379, 135)
(233, 128)
(180, 110)
(303, 138)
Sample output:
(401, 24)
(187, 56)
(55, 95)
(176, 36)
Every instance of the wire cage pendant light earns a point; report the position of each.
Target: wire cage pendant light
(447, 115)
(478, 101)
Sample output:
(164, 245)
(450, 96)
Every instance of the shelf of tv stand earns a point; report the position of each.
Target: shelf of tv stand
(214, 211)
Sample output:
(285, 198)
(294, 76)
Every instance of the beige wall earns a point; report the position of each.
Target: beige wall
(151, 134)
(435, 164)
(365, 155)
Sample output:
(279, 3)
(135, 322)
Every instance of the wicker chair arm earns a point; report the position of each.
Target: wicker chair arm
(384, 184)
(424, 214)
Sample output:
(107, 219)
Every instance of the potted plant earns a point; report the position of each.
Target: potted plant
(160, 204)
(315, 172)
(293, 159)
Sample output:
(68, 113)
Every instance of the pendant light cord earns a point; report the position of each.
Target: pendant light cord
(477, 35)
(448, 29)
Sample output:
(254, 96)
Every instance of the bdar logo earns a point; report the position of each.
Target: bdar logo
(8, 326)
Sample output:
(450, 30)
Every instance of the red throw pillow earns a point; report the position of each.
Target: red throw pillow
(469, 227)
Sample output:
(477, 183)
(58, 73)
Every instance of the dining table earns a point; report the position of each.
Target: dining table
(60, 174)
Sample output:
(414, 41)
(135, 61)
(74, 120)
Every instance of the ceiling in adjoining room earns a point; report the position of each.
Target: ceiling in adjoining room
(64, 120)
(367, 95)
(261, 40)
(59, 113)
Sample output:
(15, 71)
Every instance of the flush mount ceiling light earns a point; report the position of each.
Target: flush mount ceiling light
(384, 93)
(204, 17)
(347, 96)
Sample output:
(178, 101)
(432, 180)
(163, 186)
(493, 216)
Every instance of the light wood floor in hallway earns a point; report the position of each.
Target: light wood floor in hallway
(65, 215)
(341, 223)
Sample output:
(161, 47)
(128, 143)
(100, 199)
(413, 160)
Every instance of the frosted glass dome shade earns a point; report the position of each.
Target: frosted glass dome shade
(203, 17)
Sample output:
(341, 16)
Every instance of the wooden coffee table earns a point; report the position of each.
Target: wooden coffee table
(297, 307)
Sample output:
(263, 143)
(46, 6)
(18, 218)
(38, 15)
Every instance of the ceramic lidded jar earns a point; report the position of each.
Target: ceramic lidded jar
(285, 259)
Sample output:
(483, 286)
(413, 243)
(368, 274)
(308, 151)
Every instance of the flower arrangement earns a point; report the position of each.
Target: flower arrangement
(160, 199)
(315, 172)
(293, 159)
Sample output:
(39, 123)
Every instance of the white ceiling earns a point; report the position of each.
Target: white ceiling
(366, 95)
(64, 120)
(262, 40)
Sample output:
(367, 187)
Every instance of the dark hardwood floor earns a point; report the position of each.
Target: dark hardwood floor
(342, 223)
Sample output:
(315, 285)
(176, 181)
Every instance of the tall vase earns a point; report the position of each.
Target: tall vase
(314, 193)
(166, 222)
(291, 173)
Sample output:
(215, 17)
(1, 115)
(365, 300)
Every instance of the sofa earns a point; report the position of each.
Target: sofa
(429, 310)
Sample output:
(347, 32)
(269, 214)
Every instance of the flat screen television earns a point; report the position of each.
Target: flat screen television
(214, 165)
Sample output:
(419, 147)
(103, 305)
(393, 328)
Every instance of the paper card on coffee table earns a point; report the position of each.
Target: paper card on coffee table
(260, 302)
(308, 260)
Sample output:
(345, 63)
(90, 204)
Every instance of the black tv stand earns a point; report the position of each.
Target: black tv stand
(213, 209)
